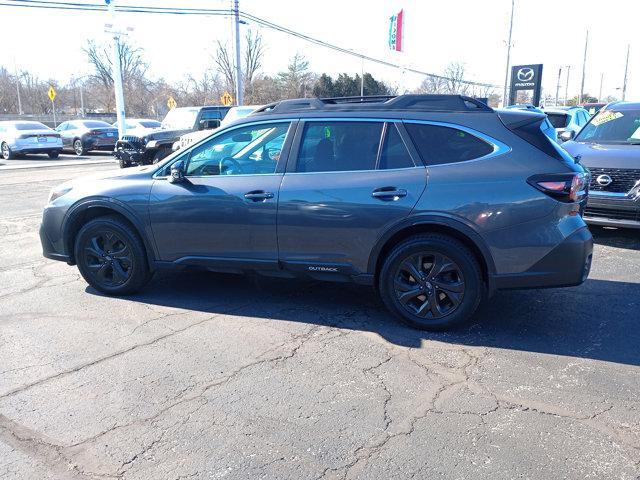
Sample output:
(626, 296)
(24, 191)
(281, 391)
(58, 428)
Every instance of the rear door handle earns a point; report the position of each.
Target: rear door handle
(258, 195)
(389, 193)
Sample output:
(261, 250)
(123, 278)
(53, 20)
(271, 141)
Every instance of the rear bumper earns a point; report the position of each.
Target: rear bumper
(38, 148)
(566, 265)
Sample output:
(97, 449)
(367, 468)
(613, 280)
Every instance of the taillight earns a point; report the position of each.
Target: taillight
(94, 132)
(565, 187)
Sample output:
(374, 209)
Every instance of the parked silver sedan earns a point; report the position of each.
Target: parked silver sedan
(22, 137)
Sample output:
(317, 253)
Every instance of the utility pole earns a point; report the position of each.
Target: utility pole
(626, 69)
(558, 85)
(81, 101)
(362, 76)
(584, 66)
(15, 69)
(566, 87)
(600, 91)
(239, 87)
(506, 75)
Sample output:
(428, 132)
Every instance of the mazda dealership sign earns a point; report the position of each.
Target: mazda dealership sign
(526, 77)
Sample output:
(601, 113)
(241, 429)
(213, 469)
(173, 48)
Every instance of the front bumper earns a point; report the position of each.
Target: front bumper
(613, 210)
(48, 250)
(567, 265)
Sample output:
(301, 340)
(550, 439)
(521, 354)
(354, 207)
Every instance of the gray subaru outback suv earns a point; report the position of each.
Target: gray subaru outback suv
(437, 201)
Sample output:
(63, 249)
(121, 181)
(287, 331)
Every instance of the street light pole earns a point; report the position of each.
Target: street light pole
(584, 66)
(362, 76)
(558, 85)
(15, 69)
(626, 69)
(117, 72)
(566, 87)
(506, 74)
(239, 87)
(600, 91)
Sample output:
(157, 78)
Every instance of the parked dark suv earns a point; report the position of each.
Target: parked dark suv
(437, 201)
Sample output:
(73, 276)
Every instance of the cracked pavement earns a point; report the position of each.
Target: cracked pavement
(220, 376)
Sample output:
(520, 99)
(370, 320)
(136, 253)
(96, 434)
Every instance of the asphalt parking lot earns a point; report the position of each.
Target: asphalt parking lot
(219, 376)
(65, 159)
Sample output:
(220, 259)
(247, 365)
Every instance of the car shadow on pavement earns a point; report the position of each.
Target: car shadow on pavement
(597, 320)
(616, 237)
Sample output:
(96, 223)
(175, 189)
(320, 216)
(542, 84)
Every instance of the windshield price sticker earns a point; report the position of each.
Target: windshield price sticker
(604, 117)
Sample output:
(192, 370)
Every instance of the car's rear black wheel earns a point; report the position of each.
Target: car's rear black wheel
(431, 282)
(111, 256)
(78, 147)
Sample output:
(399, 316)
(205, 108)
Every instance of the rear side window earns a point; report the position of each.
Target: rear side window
(339, 146)
(394, 153)
(439, 145)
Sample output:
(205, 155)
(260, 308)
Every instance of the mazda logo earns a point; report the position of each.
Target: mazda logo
(604, 180)
(525, 74)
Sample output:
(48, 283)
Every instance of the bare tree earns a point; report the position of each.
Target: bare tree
(431, 84)
(454, 81)
(131, 61)
(297, 80)
(253, 55)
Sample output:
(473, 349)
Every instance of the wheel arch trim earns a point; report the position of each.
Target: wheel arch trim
(437, 220)
(73, 214)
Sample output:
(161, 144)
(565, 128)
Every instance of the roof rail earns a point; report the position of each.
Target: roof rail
(437, 103)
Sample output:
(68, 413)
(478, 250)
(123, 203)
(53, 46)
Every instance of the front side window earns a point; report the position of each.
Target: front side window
(440, 145)
(249, 150)
(339, 146)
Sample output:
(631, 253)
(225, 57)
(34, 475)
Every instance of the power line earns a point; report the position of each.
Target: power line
(62, 5)
(322, 43)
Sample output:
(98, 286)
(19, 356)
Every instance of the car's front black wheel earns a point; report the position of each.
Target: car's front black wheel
(111, 256)
(53, 154)
(431, 282)
(6, 151)
(123, 163)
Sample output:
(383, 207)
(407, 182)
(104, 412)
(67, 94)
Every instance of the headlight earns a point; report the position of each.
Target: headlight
(57, 192)
(176, 145)
(152, 144)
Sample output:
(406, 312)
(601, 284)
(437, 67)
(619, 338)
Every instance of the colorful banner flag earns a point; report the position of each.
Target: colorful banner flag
(395, 31)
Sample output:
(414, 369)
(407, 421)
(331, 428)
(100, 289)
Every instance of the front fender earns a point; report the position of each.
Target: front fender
(75, 214)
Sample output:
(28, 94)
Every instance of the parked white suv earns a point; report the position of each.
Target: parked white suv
(22, 137)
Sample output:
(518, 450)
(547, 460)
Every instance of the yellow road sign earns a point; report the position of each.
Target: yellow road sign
(52, 93)
(226, 99)
(171, 103)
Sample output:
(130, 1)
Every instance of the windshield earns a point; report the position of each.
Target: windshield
(611, 126)
(180, 119)
(558, 120)
(150, 124)
(30, 126)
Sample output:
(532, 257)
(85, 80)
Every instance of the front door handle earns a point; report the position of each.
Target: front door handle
(258, 195)
(389, 193)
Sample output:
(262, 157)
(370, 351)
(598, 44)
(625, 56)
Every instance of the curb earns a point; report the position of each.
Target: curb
(58, 164)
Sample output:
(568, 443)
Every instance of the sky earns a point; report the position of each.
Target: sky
(49, 43)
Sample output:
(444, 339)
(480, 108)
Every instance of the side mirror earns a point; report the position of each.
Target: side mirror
(566, 135)
(177, 172)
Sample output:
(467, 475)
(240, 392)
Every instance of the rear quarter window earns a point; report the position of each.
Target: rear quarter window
(438, 145)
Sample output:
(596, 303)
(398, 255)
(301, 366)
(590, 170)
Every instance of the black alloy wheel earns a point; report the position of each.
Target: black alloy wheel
(111, 256)
(429, 285)
(431, 282)
(108, 258)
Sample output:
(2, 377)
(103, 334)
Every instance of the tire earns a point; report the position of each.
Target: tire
(160, 155)
(111, 256)
(79, 148)
(6, 151)
(54, 154)
(123, 163)
(436, 300)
